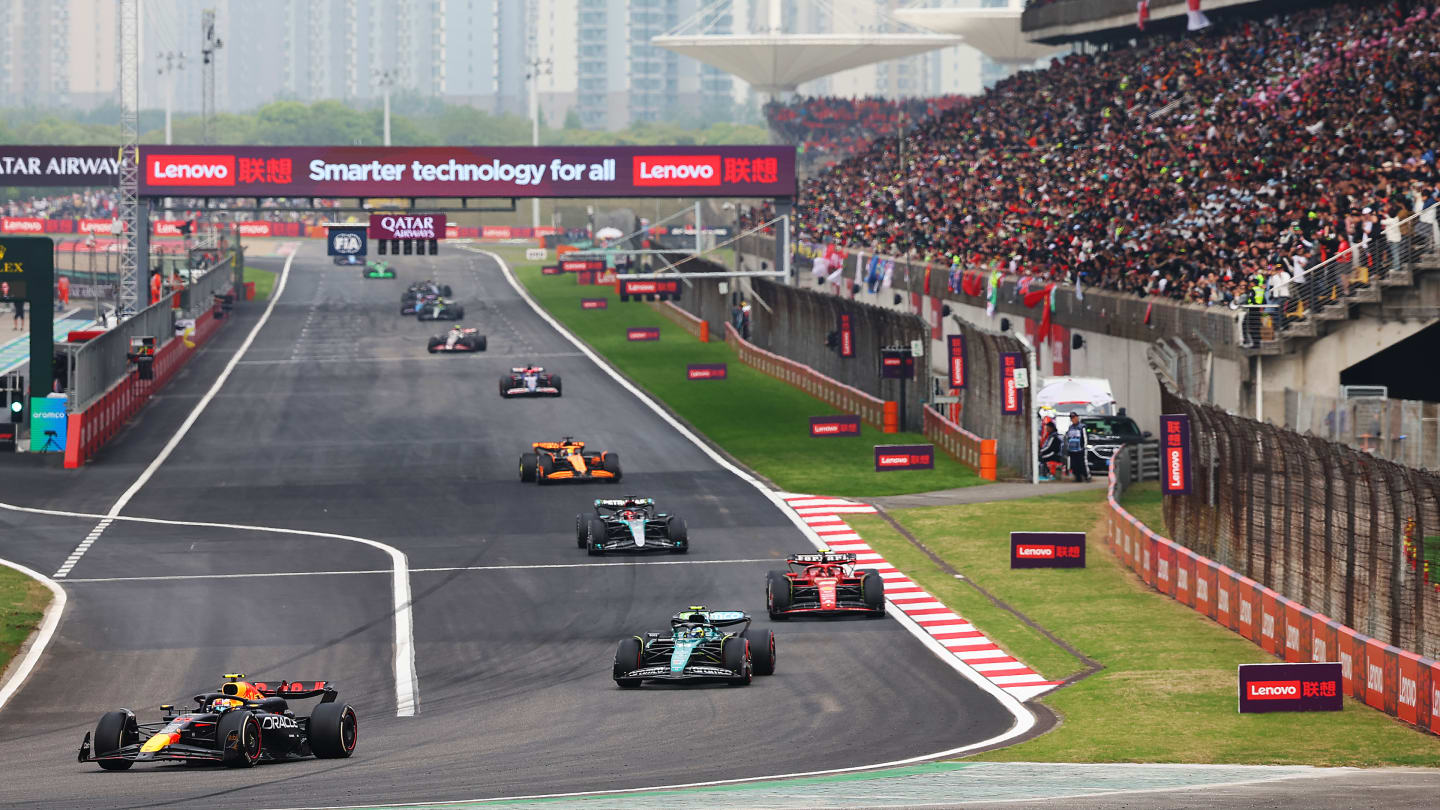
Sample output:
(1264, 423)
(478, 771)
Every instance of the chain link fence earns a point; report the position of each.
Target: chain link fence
(1402, 430)
(1334, 528)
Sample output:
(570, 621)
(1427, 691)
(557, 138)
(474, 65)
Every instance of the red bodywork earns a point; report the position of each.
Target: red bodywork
(825, 583)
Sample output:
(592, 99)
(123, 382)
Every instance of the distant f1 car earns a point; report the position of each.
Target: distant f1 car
(698, 648)
(241, 725)
(825, 583)
(630, 524)
(421, 293)
(529, 381)
(566, 460)
(458, 339)
(438, 309)
(378, 270)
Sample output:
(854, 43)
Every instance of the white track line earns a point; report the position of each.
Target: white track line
(1024, 719)
(407, 689)
(194, 415)
(534, 567)
(51, 620)
(406, 685)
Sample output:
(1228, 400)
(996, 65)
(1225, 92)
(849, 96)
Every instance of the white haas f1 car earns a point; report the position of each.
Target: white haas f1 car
(529, 381)
(630, 524)
(458, 339)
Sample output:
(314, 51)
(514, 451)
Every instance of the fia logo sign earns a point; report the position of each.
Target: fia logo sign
(347, 243)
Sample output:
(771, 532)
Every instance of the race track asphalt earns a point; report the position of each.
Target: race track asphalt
(336, 420)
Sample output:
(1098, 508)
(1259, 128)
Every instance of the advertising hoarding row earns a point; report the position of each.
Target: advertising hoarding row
(417, 171)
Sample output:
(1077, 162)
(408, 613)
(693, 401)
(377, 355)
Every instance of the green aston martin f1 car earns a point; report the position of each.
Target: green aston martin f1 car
(701, 646)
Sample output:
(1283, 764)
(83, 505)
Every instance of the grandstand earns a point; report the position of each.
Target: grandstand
(1183, 167)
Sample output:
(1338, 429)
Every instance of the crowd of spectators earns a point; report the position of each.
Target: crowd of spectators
(828, 130)
(104, 204)
(89, 204)
(1190, 167)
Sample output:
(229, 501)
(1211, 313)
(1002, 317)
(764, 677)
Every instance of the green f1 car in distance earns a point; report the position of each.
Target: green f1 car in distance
(378, 270)
(699, 647)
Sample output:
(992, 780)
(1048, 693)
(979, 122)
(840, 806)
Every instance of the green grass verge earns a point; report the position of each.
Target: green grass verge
(22, 603)
(1167, 693)
(1144, 501)
(264, 281)
(761, 421)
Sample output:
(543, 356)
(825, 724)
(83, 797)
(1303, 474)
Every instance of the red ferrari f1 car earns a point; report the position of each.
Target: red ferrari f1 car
(825, 583)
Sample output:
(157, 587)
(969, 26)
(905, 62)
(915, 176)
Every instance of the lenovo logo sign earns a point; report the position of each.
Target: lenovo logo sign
(1273, 690)
(1037, 552)
(676, 170)
(190, 170)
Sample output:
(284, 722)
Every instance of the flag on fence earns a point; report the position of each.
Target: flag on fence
(994, 293)
(1196, 18)
(889, 273)
(1142, 13)
(1079, 292)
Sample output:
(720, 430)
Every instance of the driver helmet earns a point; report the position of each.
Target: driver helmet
(220, 705)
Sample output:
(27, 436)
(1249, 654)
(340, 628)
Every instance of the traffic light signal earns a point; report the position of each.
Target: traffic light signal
(15, 398)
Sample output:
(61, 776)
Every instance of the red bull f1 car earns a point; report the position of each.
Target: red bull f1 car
(458, 339)
(824, 583)
(241, 725)
(630, 524)
(529, 381)
(701, 646)
(567, 460)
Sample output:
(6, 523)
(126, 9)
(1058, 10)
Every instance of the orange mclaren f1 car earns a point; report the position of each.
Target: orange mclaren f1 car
(567, 460)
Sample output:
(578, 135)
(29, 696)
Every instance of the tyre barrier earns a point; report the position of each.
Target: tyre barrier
(1395, 681)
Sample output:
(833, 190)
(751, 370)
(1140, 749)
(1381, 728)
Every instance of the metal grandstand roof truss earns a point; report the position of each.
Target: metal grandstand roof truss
(774, 62)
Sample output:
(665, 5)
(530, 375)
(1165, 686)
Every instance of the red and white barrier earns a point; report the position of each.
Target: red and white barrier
(1395, 681)
(91, 429)
(844, 397)
(974, 452)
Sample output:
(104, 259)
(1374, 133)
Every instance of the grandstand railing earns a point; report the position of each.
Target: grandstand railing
(1357, 274)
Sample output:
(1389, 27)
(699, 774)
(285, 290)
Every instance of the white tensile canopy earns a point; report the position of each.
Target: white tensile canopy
(994, 32)
(778, 63)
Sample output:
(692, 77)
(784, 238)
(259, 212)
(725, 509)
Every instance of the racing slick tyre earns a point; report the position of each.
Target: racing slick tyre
(334, 728)
(762, 650)
(555, 381)
(433, 345)
(872, 590)
(736, 656)
(527, 467)
(581, 524)
(610, 462)
(504, 389)
(595, 533)
(480, 343)
(239, 736)
(777, 594)
(447, 292)
(458, 313)
(627, 659)
(679, 534)
(114, 731)
(547, 466)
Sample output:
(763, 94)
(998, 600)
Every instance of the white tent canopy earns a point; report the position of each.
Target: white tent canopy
(994, 32)
(778, 63)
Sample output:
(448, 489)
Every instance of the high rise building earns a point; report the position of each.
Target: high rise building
(622, 79)
(597, 60)
(40, 63)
